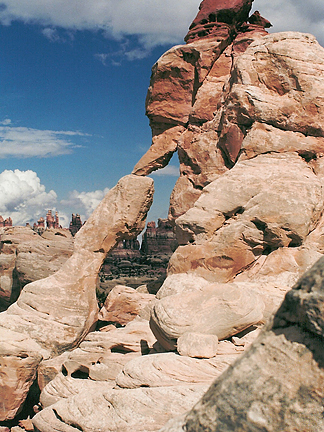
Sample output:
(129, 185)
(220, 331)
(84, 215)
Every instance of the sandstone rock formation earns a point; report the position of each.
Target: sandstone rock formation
(26, 256)
(43, 325)
(218, 309)
(216, 19)
(75, 224)
(134, 265)
(140, 409)
(123, 304)
(100, 358)
(52, 221)
(5, 222)
(170, 369)
(278, 383)
(160, 239)
(244, 111)
(185, 92)
(263, 127)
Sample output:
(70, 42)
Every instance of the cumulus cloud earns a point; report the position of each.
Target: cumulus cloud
(28, 142)
(23, 197)
(84, 201)
(169, 170)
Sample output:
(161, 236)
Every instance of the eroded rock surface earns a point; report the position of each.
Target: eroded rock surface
(219, 309)
(170, 369)
(55, 323)
(278, 383)
(140, 409)
(26, 256)
(123, 304)
(100, 357)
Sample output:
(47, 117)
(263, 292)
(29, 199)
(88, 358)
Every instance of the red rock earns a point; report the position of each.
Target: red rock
(75, 224)
(209, 94)
(258, 20)
(52, 221)
(5, 222)
(218, 17)
(41, 222)
(231, 142)
(158, 239)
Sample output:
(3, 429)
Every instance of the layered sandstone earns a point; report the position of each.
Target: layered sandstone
(248, 225)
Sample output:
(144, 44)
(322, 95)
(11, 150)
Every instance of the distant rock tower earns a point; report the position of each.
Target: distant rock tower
(5, 222)
(41, 222)
(52, 221)
(158, 239)
(75, 224)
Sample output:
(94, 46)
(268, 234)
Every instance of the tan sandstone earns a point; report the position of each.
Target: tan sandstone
(58, 323)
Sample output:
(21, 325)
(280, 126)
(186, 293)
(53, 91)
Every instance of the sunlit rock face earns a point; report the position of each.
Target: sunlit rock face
(259, 222)
(54, 314)
(26, 257)
(188, 86)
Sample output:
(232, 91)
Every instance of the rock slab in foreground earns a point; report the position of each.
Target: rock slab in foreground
(111, 410)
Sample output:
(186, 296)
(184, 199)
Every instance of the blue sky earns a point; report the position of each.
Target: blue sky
(73, 80)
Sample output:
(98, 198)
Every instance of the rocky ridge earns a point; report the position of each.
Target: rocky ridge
(244, 111)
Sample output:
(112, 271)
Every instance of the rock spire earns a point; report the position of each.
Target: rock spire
(224, 18)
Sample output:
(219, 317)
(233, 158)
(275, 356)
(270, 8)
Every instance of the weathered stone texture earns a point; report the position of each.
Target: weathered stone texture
(278, 383)
(57, 323)
(26, 256)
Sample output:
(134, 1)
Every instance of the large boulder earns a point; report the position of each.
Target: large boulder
(123, 304)
(274, 83)
(218, 309)
(239, 220)
(170, 369)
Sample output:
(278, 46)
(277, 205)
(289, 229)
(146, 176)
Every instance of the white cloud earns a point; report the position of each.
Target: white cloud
(169, 170)
(54, 35)
(28, 142)
(23, 197)
(5, 122)
(64, 219)
(115, 58)
(154, 21)
(84, 201)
